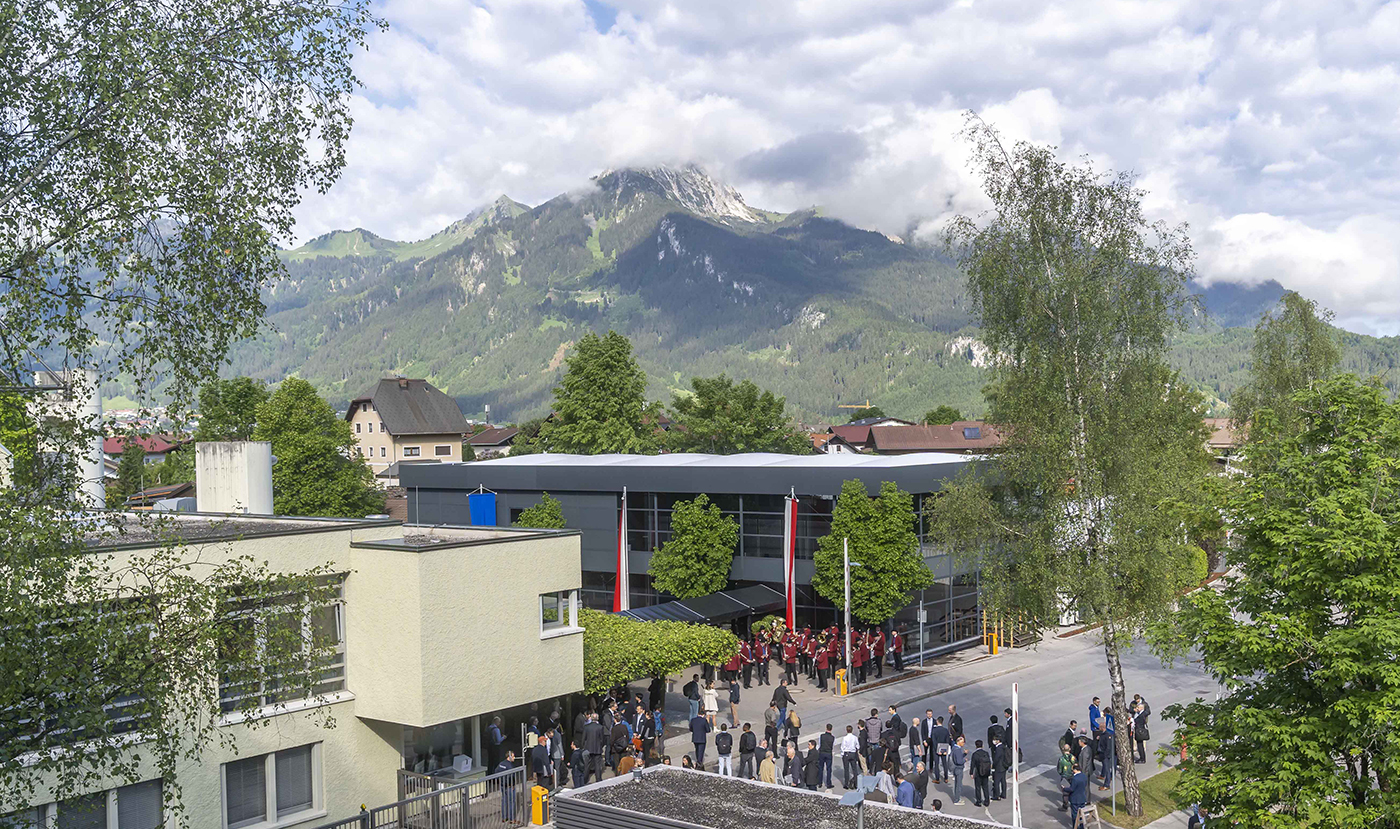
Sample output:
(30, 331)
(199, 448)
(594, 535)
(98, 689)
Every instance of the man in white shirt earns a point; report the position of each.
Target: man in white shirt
(850, 758)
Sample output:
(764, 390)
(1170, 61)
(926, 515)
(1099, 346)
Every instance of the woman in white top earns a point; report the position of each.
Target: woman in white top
(709, 701)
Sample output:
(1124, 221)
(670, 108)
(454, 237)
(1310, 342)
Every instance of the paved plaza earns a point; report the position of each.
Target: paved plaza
(1056, 679)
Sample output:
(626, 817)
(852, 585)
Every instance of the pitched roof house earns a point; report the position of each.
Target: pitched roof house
(494, 442)
(404, 419)
(965, 437)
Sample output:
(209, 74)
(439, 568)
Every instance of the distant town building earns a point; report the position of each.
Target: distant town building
(857, 433)
(156, 446)
(965, 437)
(400, 419)
(494, 442)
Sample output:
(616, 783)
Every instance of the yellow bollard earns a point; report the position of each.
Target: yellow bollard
(539, 798)
(841, 681)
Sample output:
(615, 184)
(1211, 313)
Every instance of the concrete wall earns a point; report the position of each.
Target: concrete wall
(446, 633)
(465, 632)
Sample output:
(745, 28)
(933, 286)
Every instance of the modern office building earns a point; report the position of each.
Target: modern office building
(437, 631)
(782, 503)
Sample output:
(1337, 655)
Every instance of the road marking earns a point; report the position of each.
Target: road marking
(1043, 768)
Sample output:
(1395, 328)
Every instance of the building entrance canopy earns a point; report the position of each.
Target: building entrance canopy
(715, 608)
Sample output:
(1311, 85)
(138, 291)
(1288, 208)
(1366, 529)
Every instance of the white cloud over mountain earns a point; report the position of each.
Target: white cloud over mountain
(1271, 127)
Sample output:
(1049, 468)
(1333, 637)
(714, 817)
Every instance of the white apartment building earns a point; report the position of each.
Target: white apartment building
(438, 629)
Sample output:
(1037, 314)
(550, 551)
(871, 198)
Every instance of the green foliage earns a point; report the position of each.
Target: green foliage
(618, 650)
(317, 472)
(163, 148)
(228, 409)
(697, 559)
(1079, 292)
(19, 436)
(598, 406)
(131, 474)
(883, 541)
(468, 451)
(869, 411)
(1305, 633)
(942, 415)
(548, 514)
(177, 468)
(722, 417)
(1294, 349)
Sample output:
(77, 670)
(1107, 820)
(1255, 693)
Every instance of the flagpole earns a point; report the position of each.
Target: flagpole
(1015, 756)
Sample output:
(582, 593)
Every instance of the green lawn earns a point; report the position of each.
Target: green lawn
(1156, 802)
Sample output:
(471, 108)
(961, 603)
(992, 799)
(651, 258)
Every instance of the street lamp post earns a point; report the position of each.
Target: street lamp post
(846, 557)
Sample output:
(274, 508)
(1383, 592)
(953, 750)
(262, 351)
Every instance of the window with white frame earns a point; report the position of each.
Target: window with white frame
(558, 610)
(320, 627)
(276, 788)
(139, 806)
(383, 451)
(411, 451)
(357, 428)
(442, 450)
(371, 427)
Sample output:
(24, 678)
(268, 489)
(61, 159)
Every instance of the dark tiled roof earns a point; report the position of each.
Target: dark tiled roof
(494, 436)
(962, 436)
(854, 433)
(413, 407)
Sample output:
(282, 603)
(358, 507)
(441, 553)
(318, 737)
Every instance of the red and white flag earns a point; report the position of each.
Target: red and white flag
(621, 596)
(790, 557)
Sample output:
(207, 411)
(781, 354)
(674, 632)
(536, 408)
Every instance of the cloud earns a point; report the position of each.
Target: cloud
(1271, 129)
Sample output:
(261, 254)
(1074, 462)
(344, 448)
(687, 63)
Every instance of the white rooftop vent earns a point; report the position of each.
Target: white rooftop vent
(234, 476)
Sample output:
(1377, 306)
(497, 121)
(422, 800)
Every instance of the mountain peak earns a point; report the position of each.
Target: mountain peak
(689, 186)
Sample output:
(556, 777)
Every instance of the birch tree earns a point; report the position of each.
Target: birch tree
(1077, 292)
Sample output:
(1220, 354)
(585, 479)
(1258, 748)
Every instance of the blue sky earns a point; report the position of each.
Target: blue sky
(1272, 128)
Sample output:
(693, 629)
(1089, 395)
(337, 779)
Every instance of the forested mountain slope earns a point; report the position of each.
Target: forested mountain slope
(702, 283)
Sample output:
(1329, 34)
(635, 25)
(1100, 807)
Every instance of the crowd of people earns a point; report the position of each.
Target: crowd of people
(1083, 750)
(907, 759)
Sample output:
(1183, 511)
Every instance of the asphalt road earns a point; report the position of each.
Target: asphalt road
(1056, 681)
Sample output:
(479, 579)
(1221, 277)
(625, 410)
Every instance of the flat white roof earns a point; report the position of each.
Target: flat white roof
(749, 460)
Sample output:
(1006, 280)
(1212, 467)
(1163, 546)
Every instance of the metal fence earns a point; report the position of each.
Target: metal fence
(493, 802)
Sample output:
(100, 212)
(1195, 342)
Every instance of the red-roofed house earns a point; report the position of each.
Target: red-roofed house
(965, 437)
(156, 446)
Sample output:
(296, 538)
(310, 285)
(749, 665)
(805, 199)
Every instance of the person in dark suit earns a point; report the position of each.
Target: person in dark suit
(1001, 763)
(619, 743)
(940, 748)
(510, 798)
(699, 729)
(995, 732)
(826, 749)
(595, 741)
(578, 765)
(981, 776)
(1067, 738)
(955, 723)
(1078, 790)
(811, 767)
(541, 764)
(748, 744)
(1011, 735)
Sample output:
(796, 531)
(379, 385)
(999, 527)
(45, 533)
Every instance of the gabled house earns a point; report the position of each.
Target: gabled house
(409, 420)
(832, 444)
(965, 437)
(857, 433)
(494, 442)
(156, 446)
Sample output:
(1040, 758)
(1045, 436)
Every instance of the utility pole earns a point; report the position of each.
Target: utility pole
(846, 557)
(1015, 756)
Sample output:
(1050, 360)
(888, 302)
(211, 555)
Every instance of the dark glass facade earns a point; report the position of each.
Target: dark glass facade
(760, 520)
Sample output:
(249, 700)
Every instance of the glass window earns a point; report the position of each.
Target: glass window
(442, 450)
(257, 635)
(287, 777)
(383, 451)
(140, 806)
(371, 427)
(86, 812)
(357, 428)
(293, 780)
(245, 791)
(764, 503)
(551, 612)
(411, 451)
